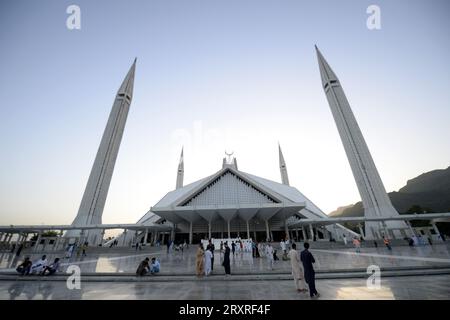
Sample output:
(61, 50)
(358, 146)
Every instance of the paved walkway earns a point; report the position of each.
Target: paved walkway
(428, 287)
(184, 263)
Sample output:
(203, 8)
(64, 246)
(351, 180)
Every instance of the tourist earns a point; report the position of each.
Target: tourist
(69, 250)
(208, 261)
(257, 251)
(52, 268)
(357, 244)
(269, 255)
(283, 246)
(221, 247)
(275, 257)
(199, 261)
(253, 249)
(25, 267)
(155, 266)
(241, 246)
(387, 243)
(143, 267)
(308, 259)
(233, 247)
(260, 249)
(345, 239)
(84, 248)
(297, 269)
(168, 246)
(375, 244)
(288, 247)
(211, 248)
(226, 259)
(39, 265)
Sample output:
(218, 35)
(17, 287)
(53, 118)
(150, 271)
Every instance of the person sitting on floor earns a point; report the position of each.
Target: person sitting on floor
(52, 268)
(39, 265)
(25, 267)
(154, 266)
(143, 267)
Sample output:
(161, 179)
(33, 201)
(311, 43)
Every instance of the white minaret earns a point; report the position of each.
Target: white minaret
(373, 194)
(283, 169)
(94, 197)
(180, 172)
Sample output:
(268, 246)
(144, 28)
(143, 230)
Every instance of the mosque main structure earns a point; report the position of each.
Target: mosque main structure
(231, 203)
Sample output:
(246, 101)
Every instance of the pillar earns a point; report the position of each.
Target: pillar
(38, 240)
(190, 233)
(305, 234)
(267, 230)
(311, 230)
(103, 237)
(296, 234)
(209, 230)
(124, 237)
(145, 236)
(248, 230)
(361, 232)
(286, 230)
(433, 224)
(229, 231)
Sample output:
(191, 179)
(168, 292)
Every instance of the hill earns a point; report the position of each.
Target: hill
(429, 191)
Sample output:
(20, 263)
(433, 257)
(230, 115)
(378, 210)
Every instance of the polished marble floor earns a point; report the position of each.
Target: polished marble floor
(242, 262)
(402, 288)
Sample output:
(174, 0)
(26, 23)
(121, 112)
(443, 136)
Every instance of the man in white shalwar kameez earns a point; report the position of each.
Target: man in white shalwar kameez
(297, 269)
(208, 257)
(269, 255)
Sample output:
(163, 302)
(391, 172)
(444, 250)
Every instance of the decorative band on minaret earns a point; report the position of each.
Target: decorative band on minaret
(94, 197)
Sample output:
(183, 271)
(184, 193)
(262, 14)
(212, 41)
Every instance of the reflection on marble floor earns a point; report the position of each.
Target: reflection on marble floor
(177, 262)
(428, 287)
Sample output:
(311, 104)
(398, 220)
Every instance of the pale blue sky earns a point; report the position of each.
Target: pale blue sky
(214, 74)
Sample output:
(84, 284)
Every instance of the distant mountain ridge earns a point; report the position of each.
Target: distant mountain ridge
(429, 190)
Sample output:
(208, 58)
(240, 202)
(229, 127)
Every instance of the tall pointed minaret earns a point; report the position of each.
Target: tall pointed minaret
(94, 197)
(283, 169)
(180, 172)
(373, 194)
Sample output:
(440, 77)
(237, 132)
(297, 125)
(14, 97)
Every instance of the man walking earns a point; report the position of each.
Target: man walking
(307, 259)
(269, 255)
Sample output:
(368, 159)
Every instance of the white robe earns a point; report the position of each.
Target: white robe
(38, 266)
(297, 268)
(208, 257)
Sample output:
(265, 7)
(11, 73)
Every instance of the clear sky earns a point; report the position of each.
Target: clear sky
(214, 75)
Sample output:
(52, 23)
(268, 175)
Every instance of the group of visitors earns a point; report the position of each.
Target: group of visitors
(147, 266)
(304, 272)
(73, 247)
(40, 266)
(204, 259)
(172, 246)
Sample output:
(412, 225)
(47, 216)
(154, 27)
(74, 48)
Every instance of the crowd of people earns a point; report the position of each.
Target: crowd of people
(40, 266)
